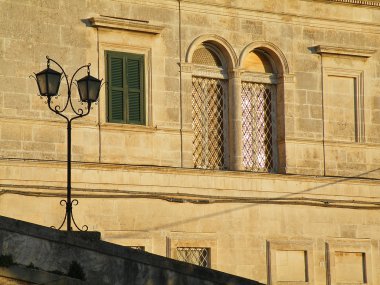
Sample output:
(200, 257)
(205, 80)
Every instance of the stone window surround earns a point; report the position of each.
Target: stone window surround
(358, 75)
(348, 245)
(113, 25)
(293, 244)
(147, 53)
(235, 76)
(214, 72)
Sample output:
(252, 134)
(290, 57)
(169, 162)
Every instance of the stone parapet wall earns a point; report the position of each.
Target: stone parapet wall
(8, 281)
(102, 262)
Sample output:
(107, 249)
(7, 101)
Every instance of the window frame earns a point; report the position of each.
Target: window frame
(126, 89)
(274, 245)
(349, 245)
(273, 80)
(272, 112)
(216, 73)
(189, 249)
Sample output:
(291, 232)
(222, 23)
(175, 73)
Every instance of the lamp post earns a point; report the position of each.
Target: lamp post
(48, 82)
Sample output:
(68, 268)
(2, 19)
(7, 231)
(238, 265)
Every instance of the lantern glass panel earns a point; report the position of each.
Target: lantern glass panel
(48, 82)
(94, 88)
(88, 88)
(54, 79)
(82, 88)
(41, 82)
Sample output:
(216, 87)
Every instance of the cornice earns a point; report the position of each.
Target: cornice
(297, 18)
(125, 24)
(366, 53)
(355, 2)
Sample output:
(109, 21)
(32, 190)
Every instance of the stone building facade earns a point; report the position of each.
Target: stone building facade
(244, 132)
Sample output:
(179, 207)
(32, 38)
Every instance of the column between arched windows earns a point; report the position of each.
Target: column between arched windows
(235, 121)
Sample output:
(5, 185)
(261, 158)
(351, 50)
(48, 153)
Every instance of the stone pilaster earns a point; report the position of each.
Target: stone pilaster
(186, 117)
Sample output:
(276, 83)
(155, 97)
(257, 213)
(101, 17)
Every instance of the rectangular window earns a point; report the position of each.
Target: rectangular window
(194, 255)
(208, 100)
(126, 98)
(257, 126)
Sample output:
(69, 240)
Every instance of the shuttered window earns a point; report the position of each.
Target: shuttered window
(125, 76)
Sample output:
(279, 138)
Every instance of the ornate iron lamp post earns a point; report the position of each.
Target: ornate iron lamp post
(48, 82)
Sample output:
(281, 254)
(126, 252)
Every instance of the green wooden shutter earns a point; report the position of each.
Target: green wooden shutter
(125, 88)
(135, 82)
(116, 88)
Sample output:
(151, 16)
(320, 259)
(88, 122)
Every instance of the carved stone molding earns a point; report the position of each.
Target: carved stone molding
(125, 24)
(236, 73)
(186, 67)
(288, 78)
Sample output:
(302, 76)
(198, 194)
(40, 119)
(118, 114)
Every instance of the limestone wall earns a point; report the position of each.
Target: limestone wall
(300, 221)
(136, 184)
(311, 139)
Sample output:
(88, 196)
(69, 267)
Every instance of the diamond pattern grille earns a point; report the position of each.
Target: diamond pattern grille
(208, 140)
(194, 255)
(205, 56)
(257, 126)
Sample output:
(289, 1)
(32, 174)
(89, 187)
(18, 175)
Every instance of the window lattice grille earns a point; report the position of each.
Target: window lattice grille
(208, 140)
(257, 126)
(194, 255)
(205, 56)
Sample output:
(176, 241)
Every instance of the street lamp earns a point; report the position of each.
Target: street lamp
(48, 82)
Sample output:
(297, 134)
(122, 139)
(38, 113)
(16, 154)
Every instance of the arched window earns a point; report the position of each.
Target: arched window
(209, 103)
(258, 97)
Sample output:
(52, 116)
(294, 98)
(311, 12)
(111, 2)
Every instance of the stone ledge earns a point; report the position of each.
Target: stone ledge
(19, 162)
